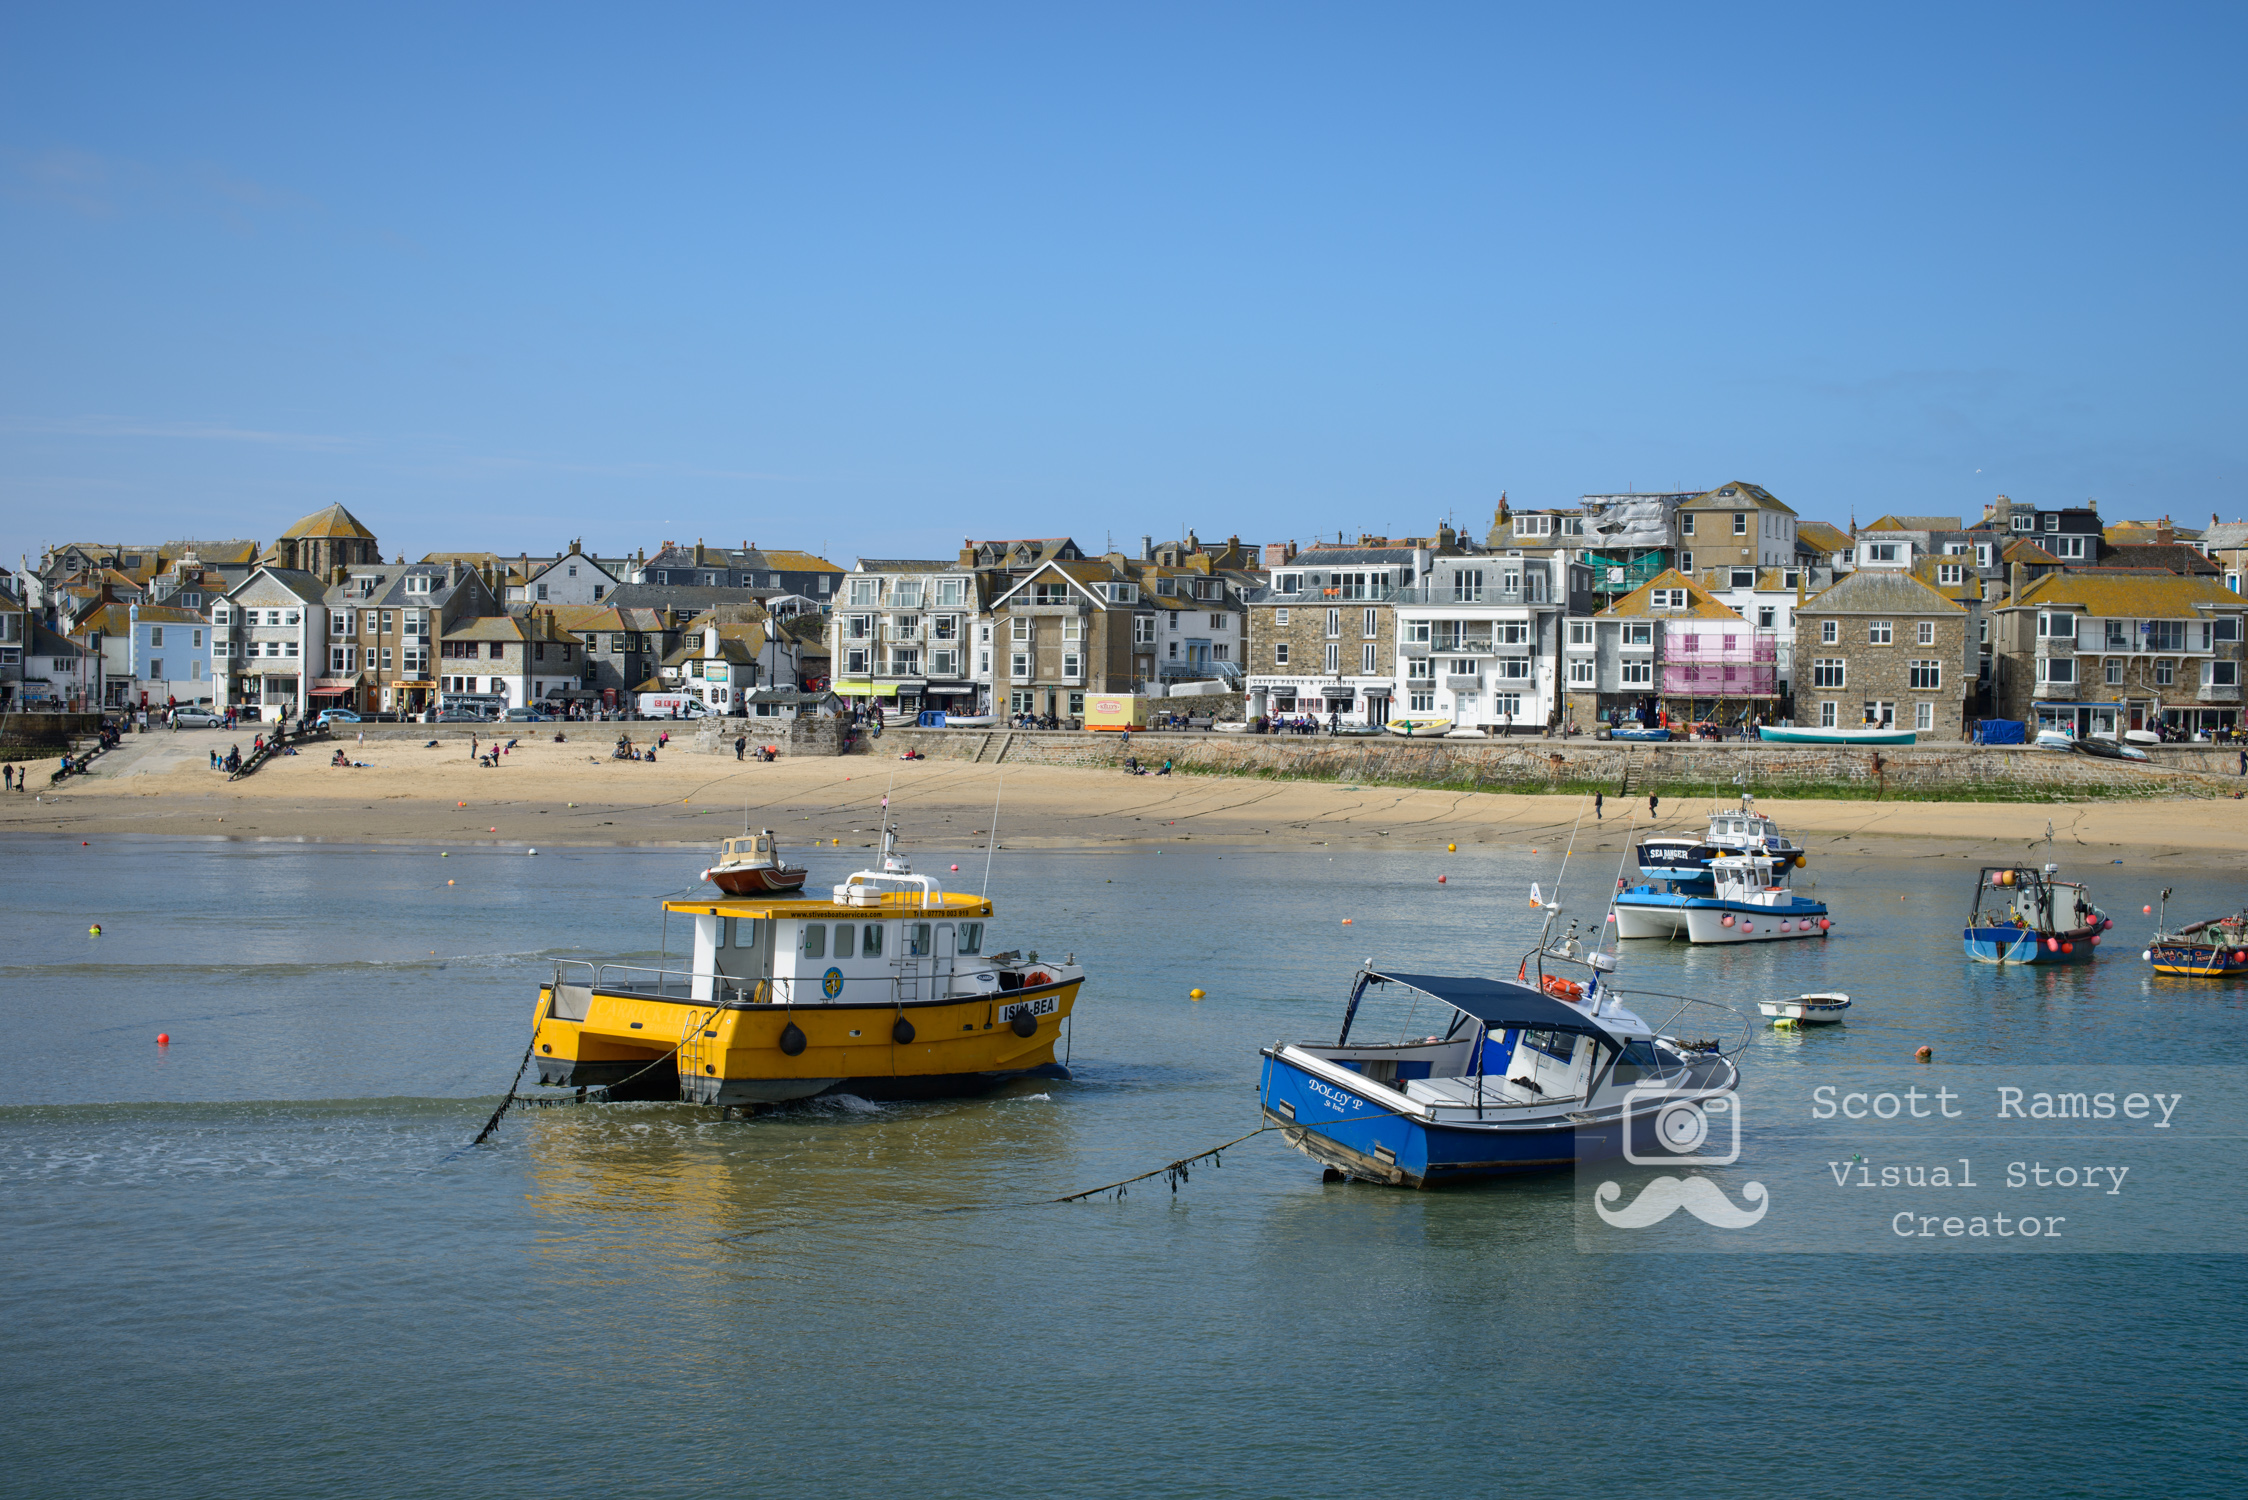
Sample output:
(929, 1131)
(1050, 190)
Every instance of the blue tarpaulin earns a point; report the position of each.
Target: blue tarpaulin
(2001, 732)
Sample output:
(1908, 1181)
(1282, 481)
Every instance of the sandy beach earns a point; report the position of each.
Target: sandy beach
(572, 793)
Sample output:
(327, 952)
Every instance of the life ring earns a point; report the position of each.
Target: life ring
(1037, 977)
(792, 1040)
(902, 1033)
(1563, 989)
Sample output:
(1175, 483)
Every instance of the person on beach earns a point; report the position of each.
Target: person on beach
(1652, 802)
(741, 746)
(8, 777)
(1597, 814)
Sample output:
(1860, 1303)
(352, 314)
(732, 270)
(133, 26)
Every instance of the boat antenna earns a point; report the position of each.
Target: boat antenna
(994, 843)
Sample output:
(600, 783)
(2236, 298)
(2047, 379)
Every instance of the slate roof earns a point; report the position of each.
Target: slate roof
(1823, 536)
(2027, 551)
(1968, 590)
(2174, 557)
(1730, 497)
(1915, 523)
(2225, 536)
(692, 596)
(2129, 594)
(1879, 591)
(335, 521)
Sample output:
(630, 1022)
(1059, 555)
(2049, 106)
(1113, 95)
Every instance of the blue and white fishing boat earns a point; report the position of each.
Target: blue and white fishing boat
(1514, 1076)
(1742, 831)
(2024, 916)
(1744, 899)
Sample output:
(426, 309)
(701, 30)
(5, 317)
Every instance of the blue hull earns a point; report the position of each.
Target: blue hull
(1348, 1131)
(2015, 945)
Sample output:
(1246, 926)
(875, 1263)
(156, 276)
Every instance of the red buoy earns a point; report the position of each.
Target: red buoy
(163, 1039)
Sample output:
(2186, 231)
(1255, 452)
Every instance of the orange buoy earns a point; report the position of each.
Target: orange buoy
(1439, 880)
(163, 1039)
(1925, 1054)
(1451, 848)
(1346, 921)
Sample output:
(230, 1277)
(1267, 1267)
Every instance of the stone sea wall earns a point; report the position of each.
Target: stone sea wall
(1531, 765)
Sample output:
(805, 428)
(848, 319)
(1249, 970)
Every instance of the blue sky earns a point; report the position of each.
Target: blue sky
(871, 279)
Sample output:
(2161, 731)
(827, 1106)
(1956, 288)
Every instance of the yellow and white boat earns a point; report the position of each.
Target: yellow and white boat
(885, 990)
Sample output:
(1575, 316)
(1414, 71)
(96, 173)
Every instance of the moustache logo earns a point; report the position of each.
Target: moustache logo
(1664, 1196)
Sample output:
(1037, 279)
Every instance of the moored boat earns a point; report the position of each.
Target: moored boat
(2213, 948)
(1231, 726)
(885, 989)
(1746, 831)
(2022, 915)
(1518, 1076)
(1822, 1008)
(1743, 898)
(1419, 729)
(1775, 735)
(1645, 733)
(751, 865)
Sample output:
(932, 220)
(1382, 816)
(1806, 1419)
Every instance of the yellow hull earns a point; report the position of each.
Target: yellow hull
(643, 1046)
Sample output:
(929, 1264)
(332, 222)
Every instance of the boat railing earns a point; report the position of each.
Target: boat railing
(1721, 1022)
(910, 984)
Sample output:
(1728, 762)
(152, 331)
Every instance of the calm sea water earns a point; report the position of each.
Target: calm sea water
(261, 1262)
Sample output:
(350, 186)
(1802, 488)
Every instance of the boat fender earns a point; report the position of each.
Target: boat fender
(902, 1033)
(2148, 955)
(1024, 1024)
(792, 1040)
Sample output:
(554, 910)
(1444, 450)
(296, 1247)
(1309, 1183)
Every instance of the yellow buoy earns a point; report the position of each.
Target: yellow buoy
(1451, 848)
(448, 882)
(1194, 994)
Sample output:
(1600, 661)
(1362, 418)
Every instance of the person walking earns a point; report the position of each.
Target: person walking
(741, 746)
(8, 777)
(472, 744)
(1653, 801)
(1597, 814)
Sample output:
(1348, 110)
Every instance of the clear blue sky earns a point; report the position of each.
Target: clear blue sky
(874, 278)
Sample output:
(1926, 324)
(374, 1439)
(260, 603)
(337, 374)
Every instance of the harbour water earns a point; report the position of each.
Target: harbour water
(262, 1261)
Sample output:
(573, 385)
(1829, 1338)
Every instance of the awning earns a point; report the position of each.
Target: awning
(586, 694)
(328, 692)
(865, 689)
(1502, 1004)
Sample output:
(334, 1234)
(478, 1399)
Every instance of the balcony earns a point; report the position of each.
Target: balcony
(2215, 694)
(1442, 597)
(1464, 646)
(1414, 649)
(1458, 683)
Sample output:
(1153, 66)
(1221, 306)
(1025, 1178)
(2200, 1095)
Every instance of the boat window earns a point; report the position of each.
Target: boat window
(844, 932)
(971, 937)
(916, 939)
(814, 942)
(747, 931)
(1561, 1045)
(723, 923)
(871, 944)
(1636, 1061)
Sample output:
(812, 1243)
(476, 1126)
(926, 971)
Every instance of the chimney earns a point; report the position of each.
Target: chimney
(698, 551)
(2164, 535)
(1147, 549)
(2020, 582)
(453, 572)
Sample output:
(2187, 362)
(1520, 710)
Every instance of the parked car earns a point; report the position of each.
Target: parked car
(461, 716)
(336, 716)
(198, 718)
(529, 716)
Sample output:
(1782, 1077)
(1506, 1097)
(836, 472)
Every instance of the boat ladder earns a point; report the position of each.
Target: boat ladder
(690, 1056)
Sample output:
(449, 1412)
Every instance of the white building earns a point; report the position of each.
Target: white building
(910, 634)
(1478, 641)
(270, 642)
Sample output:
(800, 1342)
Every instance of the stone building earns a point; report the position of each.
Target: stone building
(1735, 525)
(2099, 652)
(1323, 636)
(1881, 649)
(323, 542)
(1062, 630)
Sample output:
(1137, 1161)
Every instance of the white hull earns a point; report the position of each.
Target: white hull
(971, 721)
(1808, 1010)
(1650, 921)
(1228, 726)
(1708, 926)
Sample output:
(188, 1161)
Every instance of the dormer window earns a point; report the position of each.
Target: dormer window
(2025, 523)
(2053, 523)
(418, 583)
(1667, 599)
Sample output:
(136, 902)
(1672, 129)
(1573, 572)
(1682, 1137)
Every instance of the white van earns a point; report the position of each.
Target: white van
(665, 705)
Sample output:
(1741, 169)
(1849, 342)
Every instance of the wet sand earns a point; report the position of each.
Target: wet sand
(572, 793)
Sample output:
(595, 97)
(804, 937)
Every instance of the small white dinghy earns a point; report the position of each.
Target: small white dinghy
(1821, 1009)
(1231, 726)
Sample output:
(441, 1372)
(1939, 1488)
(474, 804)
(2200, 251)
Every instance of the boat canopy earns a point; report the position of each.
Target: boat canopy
(1501, 1004)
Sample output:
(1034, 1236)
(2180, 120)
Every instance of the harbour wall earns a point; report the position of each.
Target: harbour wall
(2006, 773)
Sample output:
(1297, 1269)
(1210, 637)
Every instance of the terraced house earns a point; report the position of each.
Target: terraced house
(1062, 630)
(905, 635)
(1884, 650)
(1323, 636)
(1670, 645)
(2103, 651)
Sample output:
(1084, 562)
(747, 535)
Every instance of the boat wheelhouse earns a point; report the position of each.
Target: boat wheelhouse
(2023, 915)
(886, 989)
(1744, 898)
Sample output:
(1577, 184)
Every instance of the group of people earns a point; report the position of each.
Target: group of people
(763, 752)
(230, 762)
(1303, 724)
(1033, 721)
(15, 777)
(626, 750)
(1132, 767)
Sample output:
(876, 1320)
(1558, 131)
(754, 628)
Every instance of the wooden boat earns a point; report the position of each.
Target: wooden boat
(1773, 735)
(886, 990)
(2055, 739)
(751, 866)
(1821, 1008)
(1419, 729)
(2213, 948)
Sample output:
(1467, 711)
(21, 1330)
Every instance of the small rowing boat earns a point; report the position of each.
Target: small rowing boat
(1821, 1008)
(751, 866)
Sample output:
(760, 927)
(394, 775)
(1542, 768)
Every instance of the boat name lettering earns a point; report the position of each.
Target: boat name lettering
(1334, 1096)
(1044, 1005)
